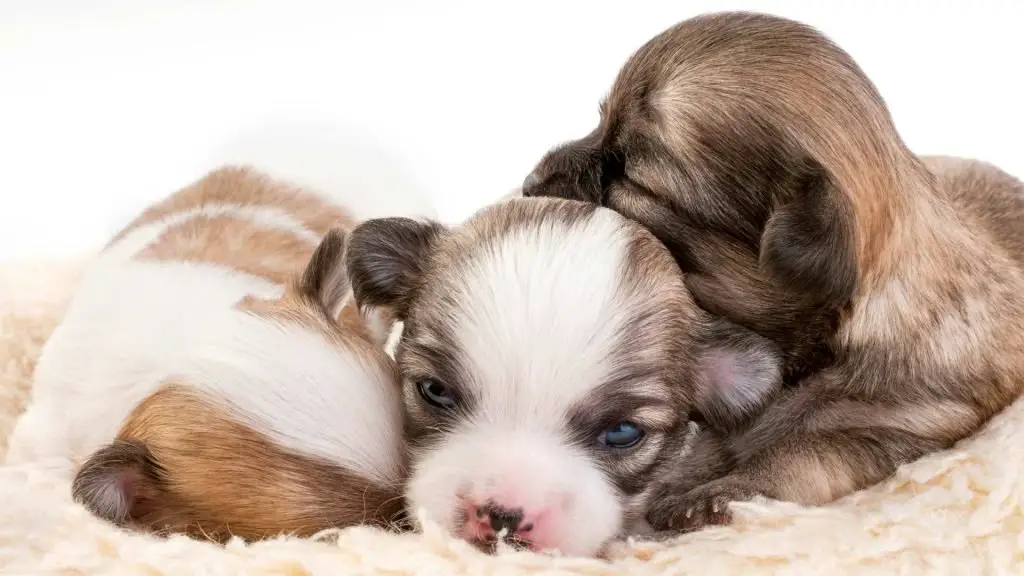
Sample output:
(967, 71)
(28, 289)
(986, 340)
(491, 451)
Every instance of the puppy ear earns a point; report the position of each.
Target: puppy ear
(738, 372)
(386, 260)
(325, 279)
(808, 243)
(121, 483)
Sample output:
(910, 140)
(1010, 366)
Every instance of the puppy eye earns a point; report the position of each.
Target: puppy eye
(436, 394)
(622, 435)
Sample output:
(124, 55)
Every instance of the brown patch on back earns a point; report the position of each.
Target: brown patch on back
(222, 477)
(247, 187)
(233, 241)
(275, 255)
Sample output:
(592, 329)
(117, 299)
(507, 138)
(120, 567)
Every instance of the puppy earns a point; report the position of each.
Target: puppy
(551, 356)
(213, 377)
(764, 158)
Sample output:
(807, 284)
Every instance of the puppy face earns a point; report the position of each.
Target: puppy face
(551, 358)
(284, 417)
(717, 136)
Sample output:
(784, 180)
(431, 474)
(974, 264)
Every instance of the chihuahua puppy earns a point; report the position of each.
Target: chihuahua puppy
(551, 357)
(763, 157)
(213, 376)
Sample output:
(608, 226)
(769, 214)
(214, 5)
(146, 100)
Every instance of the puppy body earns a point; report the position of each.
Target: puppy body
(761, 155)
(213, 377)
(551, 357)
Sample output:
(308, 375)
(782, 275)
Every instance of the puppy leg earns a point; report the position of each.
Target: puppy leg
(811, 450)
(707, 461)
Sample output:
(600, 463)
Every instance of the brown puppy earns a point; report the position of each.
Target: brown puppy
(761, 155)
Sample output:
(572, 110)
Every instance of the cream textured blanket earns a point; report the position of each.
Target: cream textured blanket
(959, 512)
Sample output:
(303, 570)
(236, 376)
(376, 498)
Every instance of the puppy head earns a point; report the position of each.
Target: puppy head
(758, 152)
(550, 354)
(285, 417)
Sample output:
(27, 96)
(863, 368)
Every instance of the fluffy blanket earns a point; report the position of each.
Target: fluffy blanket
(958, 512)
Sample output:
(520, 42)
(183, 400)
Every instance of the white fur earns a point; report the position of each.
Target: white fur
(133, 325)
(957, 511)
(536, 469)
(537, 321)
(538, 317)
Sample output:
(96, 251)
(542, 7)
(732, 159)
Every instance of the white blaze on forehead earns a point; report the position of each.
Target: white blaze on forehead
(537, 317)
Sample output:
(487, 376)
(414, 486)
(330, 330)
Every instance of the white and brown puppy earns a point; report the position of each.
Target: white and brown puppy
(213, 377)
(764, 158)
(551, 356)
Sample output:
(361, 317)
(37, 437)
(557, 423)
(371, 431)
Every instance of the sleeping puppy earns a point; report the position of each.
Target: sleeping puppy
(213, 377)
(551, 356)
(767, 162)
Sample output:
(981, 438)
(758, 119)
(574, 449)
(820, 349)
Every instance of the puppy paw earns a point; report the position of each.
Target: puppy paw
(705, 505)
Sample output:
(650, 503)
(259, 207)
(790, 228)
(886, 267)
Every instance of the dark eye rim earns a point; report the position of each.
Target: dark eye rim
(641, 436)
(451, 402)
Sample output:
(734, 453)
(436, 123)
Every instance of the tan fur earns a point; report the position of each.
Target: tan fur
(200, 444)
(232, 242)
(193, 465)
(689, 81)
(274, 254)
(813, 479)
(761, 154)
(244, 186)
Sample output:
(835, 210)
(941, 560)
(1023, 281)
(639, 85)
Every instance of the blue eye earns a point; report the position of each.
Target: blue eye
(622, 435)
(436, 394)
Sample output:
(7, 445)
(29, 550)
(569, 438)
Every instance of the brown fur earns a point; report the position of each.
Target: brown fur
(227, 241)
(247, 187)
(195, 469)
(763, 157)
(184, 463)
(276, 255)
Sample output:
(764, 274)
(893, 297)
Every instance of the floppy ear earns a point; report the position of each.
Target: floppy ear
(386, 260)
(325, 279)
(738, 372)
(808, 242)
(121, 483)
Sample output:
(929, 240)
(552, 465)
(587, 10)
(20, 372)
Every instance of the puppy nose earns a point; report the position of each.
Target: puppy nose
(531, 182)
(505, 519)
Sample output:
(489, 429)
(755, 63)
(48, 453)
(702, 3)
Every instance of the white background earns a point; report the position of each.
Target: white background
(106, 106)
